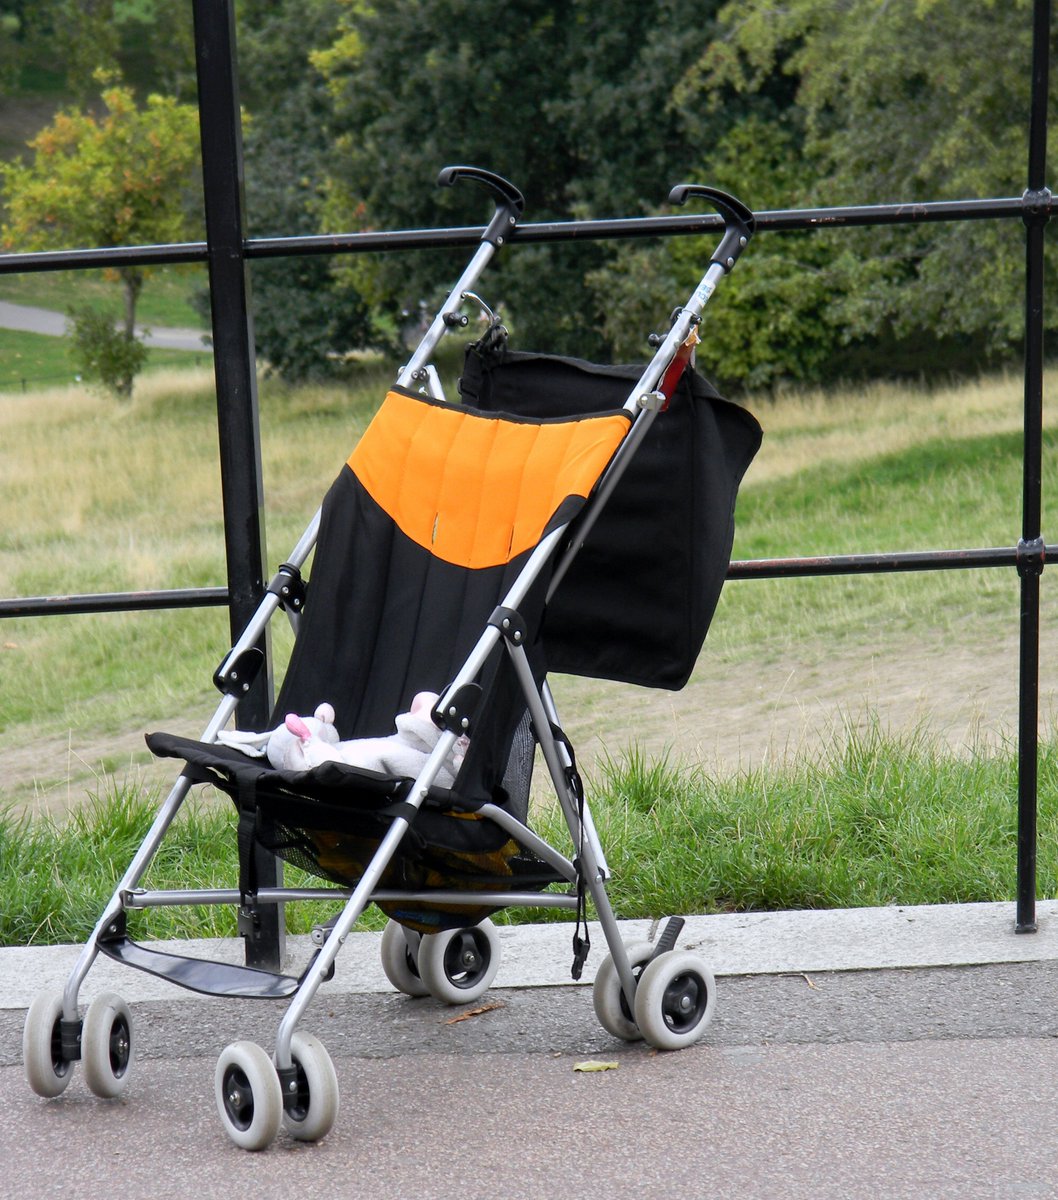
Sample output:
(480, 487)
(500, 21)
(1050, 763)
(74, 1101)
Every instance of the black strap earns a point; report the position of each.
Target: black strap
(581, 945)
(247, 802)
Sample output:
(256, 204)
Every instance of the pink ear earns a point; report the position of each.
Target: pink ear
(423, 703)
(298, 727)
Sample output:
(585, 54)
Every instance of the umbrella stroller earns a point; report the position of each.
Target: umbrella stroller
(462, 552)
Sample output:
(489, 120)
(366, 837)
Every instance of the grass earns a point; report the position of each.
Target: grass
(878, 819)
(106, 497)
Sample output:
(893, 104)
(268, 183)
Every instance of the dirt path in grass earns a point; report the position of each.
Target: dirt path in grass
(728, 718)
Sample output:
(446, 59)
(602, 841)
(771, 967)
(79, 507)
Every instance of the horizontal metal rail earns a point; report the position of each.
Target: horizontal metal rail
(104, 602)
(374, 241)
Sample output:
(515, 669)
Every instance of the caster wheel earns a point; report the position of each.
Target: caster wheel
(311, 1115)
(248, 1095)
(458, 966)
(675, 1000)
(399, 962)
(107, 1046)
(609, 1001)
(47, 1072)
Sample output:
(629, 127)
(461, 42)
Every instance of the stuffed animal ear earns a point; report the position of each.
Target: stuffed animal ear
(325, 713)
(297, 727)
(423, 704)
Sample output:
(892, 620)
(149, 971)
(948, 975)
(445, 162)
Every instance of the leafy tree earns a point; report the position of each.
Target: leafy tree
(569, 101)
(286, 156)
(896, 100)
(117, 179)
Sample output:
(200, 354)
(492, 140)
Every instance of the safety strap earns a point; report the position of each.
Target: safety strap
(581, 944)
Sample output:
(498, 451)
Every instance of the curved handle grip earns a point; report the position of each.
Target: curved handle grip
(504, 191)
(739, 221)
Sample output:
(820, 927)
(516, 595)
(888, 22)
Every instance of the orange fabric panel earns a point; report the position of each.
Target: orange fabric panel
(477, 490)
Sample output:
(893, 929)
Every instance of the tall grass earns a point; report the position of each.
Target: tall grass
(880, 819)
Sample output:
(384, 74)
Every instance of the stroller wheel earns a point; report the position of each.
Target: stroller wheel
(47, 1071)
(107, 1046)
(458, 965)
(675, 1000)
(249, 1098)
(608, 999)
(310, 1115)
(399, 962)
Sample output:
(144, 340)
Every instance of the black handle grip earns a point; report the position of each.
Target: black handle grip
(504, 191)
(739, 221)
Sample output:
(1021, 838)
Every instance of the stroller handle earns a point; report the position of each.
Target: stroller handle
(509, 200)
(739, 221)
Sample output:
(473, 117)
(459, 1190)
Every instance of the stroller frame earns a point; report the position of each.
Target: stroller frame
(255, 1094)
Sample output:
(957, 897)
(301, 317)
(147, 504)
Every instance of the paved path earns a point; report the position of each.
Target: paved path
(932, 1074)
(29, 319)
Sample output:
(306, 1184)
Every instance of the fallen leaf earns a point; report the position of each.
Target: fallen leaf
(475, 1012)
(593, 1065)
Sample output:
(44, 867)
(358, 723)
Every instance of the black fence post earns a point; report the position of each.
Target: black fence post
(1031, 548)
(234, 365)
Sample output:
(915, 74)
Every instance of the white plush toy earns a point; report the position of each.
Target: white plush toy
(304, 742)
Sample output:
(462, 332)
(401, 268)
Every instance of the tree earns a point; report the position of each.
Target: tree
(568, 101)
(286, 155)
(118, 179)
(899, 100)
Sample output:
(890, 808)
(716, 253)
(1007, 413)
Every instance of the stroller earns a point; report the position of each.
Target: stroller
(463, 551)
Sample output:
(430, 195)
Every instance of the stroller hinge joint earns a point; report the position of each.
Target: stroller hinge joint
(1031, 557)
(289, 587)
(455, 713)
(235, 676)
(510, 624)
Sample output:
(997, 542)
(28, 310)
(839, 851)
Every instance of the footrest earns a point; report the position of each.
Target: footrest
(201, 975)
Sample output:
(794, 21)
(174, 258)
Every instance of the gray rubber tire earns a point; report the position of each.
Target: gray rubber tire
(107, 1046)
(46, 1071)
(675, 1000)
(607, 998)
(458, 965)
(316, 1110)
(399, 961)
(248, 1096)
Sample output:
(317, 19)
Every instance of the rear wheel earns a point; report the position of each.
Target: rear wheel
(399, 961)
(458, 965)
(675, 1000)
(47, 1072)
(613, 1010)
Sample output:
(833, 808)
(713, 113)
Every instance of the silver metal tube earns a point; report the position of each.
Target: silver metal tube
(438, 327)
(358, 901)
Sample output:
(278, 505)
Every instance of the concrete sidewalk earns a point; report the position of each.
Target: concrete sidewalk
(872, 1053)
(733, 944)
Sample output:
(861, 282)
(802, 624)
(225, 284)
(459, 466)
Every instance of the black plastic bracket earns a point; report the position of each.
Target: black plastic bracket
(509, 200)
(291, 589)
(70, 1039)
(288, 1087)
(234, 677)
(1031, 557)
(457, 714)
(739, 221)
(510, 624)
(667, 940)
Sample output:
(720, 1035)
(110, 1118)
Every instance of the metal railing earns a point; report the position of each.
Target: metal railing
(228, 253)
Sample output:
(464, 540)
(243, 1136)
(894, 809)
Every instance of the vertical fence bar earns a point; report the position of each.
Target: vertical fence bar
(1031, 546)
(234, 366)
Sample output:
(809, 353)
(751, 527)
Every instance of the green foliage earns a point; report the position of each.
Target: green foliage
(104, 352)
(418, 85)
(305, 313)
(118, 179)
